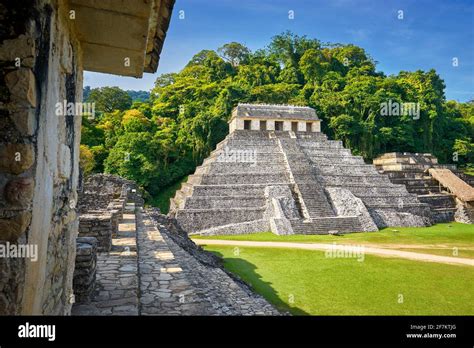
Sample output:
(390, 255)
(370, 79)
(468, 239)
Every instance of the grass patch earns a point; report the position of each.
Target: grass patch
(450, 235)
(459, 252)
(306, 282)
(162, 200)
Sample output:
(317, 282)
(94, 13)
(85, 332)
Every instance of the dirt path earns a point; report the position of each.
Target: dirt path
(343, 247)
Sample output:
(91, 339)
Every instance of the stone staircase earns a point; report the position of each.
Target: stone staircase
(337, 167)
(326, 225)
(411, 171)
(442, 203)
(310, 191)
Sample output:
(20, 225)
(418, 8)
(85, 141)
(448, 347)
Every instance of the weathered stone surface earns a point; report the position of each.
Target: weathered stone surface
(64, 161)
(21, 47)
(48, 70)
(21, 84)
(19, 192)
(346, 204)
(12, 228)
(85, 269)
(16, 158)
(24, 120)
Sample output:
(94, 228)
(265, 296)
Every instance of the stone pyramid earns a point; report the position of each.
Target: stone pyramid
(276, 171)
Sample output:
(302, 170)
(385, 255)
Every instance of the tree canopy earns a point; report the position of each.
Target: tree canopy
(163, 138)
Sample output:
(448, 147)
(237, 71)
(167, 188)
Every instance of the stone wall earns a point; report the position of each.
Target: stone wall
(40, 66)
(346, 204)
(85, 268)
(101, 204)
(98, 226)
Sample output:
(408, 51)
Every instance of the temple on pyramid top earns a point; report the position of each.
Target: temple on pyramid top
(270, 117)
(276, 171)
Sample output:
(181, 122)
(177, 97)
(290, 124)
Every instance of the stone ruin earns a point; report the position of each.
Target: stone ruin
(101, 205)
(43, 54)
(449, 200)
(277, 172)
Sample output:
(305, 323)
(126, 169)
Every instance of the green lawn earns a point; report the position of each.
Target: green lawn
(306, 282)
(458, 252)
(450, 235)
(162, 200)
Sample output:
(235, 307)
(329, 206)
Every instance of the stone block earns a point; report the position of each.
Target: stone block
(19, 191)
(21, 84)
(16, 158)
(12, 228)
(64, 162)
(24, 120)
(20, 47)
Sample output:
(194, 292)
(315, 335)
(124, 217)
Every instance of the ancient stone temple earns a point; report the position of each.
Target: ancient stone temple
(447, 190)
(276, 171)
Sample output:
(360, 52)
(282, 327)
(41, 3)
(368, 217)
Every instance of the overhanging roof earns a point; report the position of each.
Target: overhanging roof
(275, 111)
(115, 32)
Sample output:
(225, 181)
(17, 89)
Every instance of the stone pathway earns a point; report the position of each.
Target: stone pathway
(223, 295)
(164, 288)
(321, 246)
(147, 273)
(116, 290)
(174, 282)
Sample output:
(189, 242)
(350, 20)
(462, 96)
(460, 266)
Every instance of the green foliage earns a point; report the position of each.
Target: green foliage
(165, 136)
(142, 96)
(234, 52)
(464, 150)
(86, 160)
(108, 99)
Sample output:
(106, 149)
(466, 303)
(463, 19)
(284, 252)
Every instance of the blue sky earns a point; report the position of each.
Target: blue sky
(430, 35)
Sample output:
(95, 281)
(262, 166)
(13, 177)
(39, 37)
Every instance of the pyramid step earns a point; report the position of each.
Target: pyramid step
(216, 202)
(194, 220)
(232, 190)
(250, 177)
(324, 225)
(439, 201)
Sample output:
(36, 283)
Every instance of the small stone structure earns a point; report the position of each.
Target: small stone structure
(289, 179)
(419, 173)
(85, 268)
(101, 205)
(274, 118)
(98, 226)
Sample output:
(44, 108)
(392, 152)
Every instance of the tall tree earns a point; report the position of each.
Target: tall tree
(108, 99)
(234, 52)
